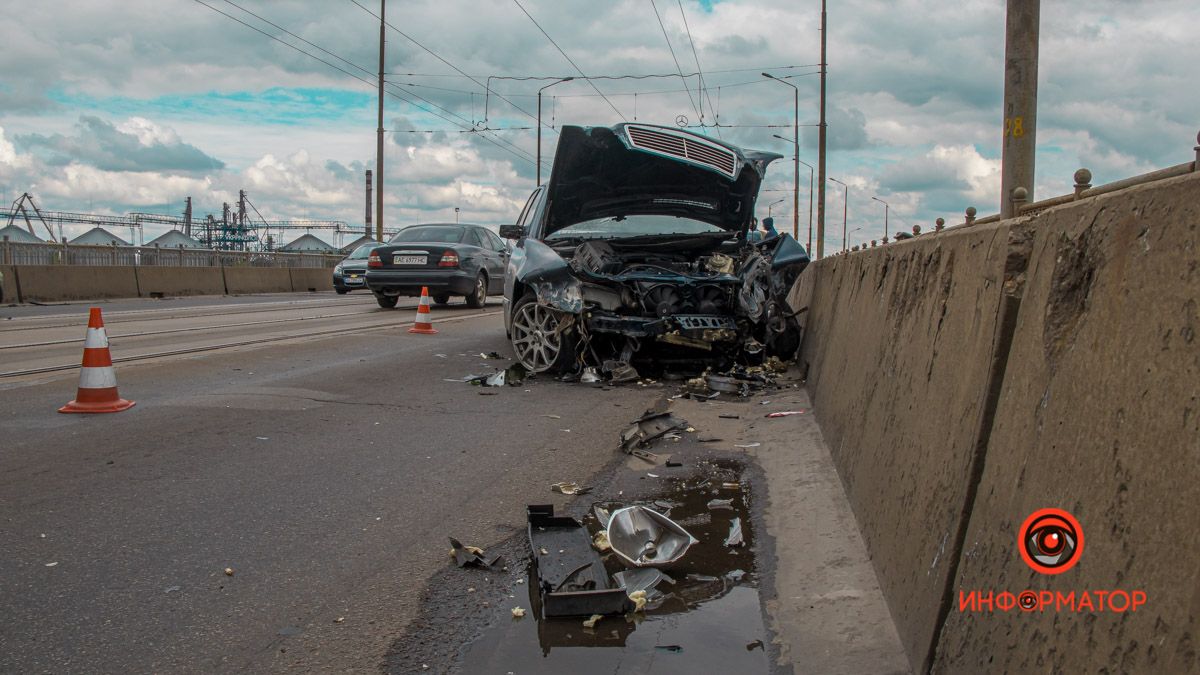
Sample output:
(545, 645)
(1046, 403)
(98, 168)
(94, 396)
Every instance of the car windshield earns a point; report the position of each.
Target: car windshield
(633, 226)
(362, 252)
(443, 234)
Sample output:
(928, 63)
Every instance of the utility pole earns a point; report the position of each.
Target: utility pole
(368, 218)
(187, 217)
(1020, 101)
(379, 139)
(821, 149)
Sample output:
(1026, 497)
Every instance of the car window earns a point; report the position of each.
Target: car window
(632, 226)
(440, 234)
(521, 219)
(474, 239)
(363, 251)
(495, 240)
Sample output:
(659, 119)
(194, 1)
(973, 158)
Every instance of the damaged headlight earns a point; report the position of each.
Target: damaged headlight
(565, 294)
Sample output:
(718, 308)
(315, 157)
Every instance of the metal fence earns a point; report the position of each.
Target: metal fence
(20, 253)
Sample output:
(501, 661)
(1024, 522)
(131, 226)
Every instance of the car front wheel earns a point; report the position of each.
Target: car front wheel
(541, 337)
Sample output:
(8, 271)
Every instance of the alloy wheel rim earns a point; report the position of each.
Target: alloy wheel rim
(536, 339)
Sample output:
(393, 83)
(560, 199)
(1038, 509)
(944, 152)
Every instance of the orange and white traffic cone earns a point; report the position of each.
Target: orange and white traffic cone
(97, 381)
(422, 324)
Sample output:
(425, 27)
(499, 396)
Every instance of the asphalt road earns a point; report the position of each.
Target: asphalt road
(326, 472)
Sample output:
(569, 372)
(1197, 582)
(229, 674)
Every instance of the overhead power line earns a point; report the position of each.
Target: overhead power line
(516, 152)
(437, 56)
(696, 55)
(699, 110)
(568, 58)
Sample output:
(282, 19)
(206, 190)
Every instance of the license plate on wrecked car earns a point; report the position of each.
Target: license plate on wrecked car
(409, 259)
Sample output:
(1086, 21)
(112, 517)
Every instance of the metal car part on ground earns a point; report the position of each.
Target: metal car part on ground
(634, 256)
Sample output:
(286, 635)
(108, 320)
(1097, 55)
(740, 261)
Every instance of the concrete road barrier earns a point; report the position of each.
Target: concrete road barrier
(173, 281)
(311, 279)
(898, 347)
(257, 280)
(8, 285)
(51, 283)
(1099, 415)
(967, 378)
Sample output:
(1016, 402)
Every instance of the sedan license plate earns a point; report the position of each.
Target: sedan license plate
(409, 259)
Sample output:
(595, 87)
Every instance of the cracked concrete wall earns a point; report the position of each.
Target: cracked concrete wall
(898, 345)
(1099, 415)
(965, 379)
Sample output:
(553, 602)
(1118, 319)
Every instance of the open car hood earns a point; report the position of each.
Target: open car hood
(640, 169)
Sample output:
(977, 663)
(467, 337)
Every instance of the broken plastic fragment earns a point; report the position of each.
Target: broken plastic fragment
(570, 488)
(735, 533)
(720, 504)
(639, 600)
(591, 623)
(518, 612)
(644, 579)
(470, 555)
(748, 445)
(785, 413)
(589, 376)
(600, 541)
(228, 571)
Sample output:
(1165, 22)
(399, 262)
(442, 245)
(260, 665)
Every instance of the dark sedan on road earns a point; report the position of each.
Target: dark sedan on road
(351, 272)
(450, 259)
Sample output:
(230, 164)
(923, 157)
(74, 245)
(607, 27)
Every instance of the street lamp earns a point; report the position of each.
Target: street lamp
(778, 201)
(795, 155)
(810, 189)
(886, 208)
(539, 125)
(845, 199)
(456, 215)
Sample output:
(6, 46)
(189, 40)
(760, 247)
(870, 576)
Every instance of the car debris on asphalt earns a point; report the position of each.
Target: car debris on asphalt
(570, 488)
(735, 533)
(785, 413)
(643, 537)
(470, 555)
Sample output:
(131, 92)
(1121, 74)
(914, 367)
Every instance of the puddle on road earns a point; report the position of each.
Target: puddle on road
(710, 619)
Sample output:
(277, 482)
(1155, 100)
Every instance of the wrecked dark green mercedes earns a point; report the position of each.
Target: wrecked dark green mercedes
(634, 258)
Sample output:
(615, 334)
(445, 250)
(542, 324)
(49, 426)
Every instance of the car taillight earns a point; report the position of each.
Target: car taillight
(373, 261)
(449, 259)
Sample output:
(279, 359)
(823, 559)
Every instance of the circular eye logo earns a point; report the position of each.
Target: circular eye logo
(1050, 541)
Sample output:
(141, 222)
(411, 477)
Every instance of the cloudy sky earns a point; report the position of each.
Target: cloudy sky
(114, 107)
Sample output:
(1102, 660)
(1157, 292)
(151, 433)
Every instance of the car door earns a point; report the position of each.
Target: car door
(486, 257)
(497, 245)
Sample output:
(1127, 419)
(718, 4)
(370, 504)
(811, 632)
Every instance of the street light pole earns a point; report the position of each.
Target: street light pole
(885, 215)
(795, 154)
(845, 201)
(821, 148)
(379, 134)
(779, 201)
(539, 126)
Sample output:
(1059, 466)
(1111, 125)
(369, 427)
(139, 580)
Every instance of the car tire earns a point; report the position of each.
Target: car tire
(441, 298)
(535, 338)
(478, 297)
(342, 291)
(387, 301)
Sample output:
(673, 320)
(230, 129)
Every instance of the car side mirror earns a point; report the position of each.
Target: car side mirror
(512, 232)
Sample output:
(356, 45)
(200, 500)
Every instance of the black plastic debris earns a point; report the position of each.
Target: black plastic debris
(653, 425)
(470, 555)
(570, 574)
